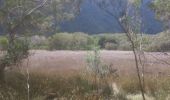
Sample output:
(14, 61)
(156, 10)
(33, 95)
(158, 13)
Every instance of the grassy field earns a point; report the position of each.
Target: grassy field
(62, 75)
(123, 61)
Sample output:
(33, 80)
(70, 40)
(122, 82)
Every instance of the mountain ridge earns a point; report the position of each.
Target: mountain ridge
(98, 16)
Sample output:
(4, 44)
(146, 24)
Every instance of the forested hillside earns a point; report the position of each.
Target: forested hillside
(103, 16)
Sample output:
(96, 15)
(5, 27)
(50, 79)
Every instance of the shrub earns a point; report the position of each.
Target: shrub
(16, 51)
(142, 42)
(81, 41)
(106, 40)
(111, 46)
(48, 87)
(66, 41)
(124, 45)
(60, 41)
(3, 43)
(161, 46)
(160, 42)
(38, 42)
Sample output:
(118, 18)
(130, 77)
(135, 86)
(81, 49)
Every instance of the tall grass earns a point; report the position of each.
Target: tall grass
(80, 87)
(49, 86)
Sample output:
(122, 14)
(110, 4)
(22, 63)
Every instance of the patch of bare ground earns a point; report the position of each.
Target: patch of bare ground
(71, 61)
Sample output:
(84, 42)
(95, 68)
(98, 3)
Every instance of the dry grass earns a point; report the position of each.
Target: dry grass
(123, 61)
(60, 74)
(81, 87)
(43, 86)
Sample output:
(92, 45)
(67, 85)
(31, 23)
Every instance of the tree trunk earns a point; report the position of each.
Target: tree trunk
(2, 71)
(2, 76)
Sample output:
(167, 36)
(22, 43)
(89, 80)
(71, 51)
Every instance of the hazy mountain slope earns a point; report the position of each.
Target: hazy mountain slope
(92, 19)
(150, 24)
(101, 16)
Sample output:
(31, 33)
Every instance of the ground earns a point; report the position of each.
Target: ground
(70, 61)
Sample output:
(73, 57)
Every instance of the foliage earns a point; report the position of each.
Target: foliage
(162, 9)
(14, 55)
(99, 72)
(78, 87)
(94, 61)
(106, 39)
(38, 42)
(30, 16)
(60, 41)
(113, 41)
(3, 43)
(76, 41)
(160, 42)
(82, 41)
(111, 46)
(45, 87)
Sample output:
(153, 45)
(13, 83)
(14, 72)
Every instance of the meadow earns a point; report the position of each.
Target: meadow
(63, 75)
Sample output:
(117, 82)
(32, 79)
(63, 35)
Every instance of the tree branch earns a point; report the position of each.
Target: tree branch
(37, 7)
(24, 17)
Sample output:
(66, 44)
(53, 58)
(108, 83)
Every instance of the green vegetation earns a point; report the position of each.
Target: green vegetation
(3, 43)
(48, 87)
(66, 41)
(13, 55)
(38, 42)
(160, 42)
(162, 8)
(78, 86)
(82, 41)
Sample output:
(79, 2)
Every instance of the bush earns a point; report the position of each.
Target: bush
(124, 43)
(106, 41)
(16, 52)
(111, 46)
(114, 42)
(66, 41)
(160, 42)
(160, 46)
(60, 41)
(39, 42)
(81, 41)
(3, 43)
